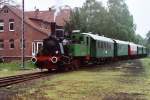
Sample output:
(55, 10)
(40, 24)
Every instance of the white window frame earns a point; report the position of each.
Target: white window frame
(2, 24)
(13, 26)
(38, 46)
(33, 49)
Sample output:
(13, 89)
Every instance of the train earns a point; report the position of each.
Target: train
(61, 52)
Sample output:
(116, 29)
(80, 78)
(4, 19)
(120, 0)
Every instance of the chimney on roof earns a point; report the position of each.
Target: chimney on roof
(50, 9)
(37, 10)
(36, 13)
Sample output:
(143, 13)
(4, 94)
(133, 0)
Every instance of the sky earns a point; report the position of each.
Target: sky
(138, 8)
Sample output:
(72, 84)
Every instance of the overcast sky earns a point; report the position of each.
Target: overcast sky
(138, 8)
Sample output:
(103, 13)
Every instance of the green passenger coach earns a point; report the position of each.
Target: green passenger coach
(121, 48)
(139, 49)
(100, 47)
(87, 44)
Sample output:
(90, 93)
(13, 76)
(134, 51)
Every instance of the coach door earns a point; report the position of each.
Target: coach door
(88, 43)
(36, 47)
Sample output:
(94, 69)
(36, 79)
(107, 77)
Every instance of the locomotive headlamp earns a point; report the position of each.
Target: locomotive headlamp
(54, 59)
(34, 60)
(57, 52)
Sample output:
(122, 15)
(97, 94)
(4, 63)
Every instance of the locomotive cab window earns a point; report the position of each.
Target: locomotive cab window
(59, 33)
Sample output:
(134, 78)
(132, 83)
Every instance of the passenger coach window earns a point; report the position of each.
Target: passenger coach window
(105, 45)
(102, 44)
(99, 44)
(109, 46)
(87, 41)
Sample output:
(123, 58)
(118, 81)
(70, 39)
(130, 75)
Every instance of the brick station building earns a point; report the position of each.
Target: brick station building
(37, 27)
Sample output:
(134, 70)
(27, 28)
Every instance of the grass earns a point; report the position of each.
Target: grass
(125, 81)
(15, 65)
(129, 80)
(13, 68)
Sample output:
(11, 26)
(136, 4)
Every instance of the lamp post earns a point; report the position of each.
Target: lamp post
(22, 37)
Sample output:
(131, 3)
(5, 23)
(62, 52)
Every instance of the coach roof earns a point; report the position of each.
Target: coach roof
(121, 42)
(140, 45)
(98, 38)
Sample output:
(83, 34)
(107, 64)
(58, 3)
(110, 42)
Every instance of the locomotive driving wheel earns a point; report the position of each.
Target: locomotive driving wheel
(63, 68)
(76, 64)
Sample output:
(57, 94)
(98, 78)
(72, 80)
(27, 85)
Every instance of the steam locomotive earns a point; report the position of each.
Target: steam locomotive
(61, 52)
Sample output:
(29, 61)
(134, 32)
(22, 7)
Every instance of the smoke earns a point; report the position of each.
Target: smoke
(58, 4)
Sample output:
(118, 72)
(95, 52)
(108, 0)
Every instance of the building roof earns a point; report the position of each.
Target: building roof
(44, 16)
(99, 38)
(48, 15)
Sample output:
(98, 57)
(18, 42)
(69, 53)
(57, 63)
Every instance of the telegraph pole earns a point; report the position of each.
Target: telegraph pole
(22, 37)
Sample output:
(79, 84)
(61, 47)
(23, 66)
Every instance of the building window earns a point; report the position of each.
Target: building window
(1, 26)
(5, 10)
(11, 24)
(12, 44)
(1, 44)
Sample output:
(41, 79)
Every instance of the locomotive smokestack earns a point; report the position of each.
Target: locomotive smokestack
(53, 29)
(57, 10)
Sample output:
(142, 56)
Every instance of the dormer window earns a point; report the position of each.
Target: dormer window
(1, 26)
(11, 25)
(5, 10)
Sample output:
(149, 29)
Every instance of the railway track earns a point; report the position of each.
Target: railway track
(6, 81)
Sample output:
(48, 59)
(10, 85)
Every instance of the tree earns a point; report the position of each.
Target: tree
(139, 40)
(8, 2)
(114, 21)
(148, 37)
(75, 21)
(120, 20)
(89, 18)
